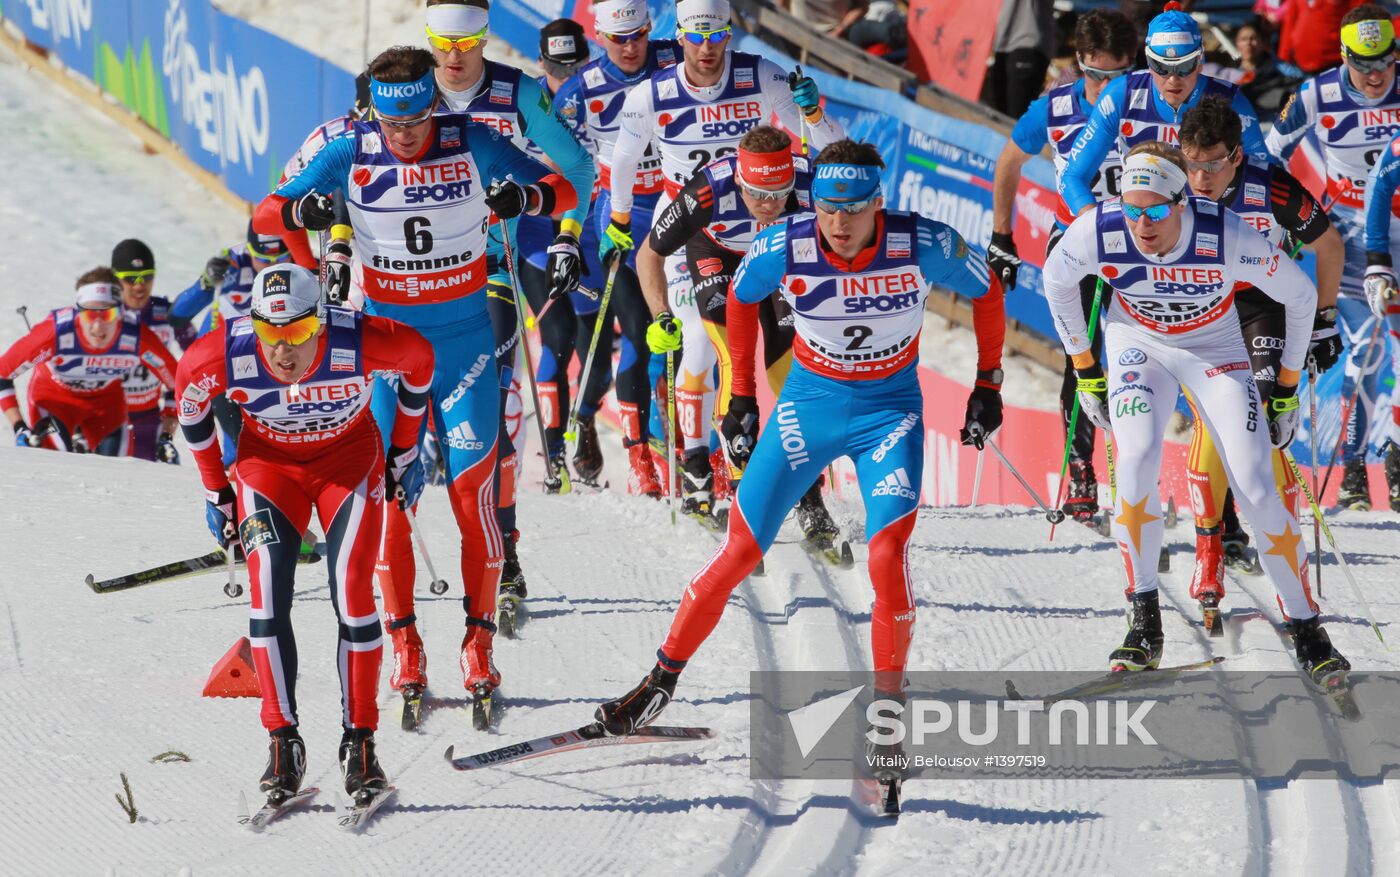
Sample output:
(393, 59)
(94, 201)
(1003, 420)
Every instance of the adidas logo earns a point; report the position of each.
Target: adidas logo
(895, 484)
(463, 439)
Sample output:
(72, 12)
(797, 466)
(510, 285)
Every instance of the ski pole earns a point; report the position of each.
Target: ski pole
(977, 478)
(232, 587)
(671, 486)
(552, 482)
(23, 311)
(1336, 552)
(1312, 440)
(439, 586)
(1074, 409)
(801, 116)
(1351, 404)
(1054, 516)
(571, 426)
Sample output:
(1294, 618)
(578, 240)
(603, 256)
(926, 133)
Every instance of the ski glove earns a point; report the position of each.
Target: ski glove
(315, 212)
(215, 271)
(1379, 285)
(804, 93)
(564, 265)
(24, 437)
(1283, 415)
(1003, 258)
(218, 514)
(740, 429)
(664, 333)
(616, 242)
(983, 415)
(508, 199)
(1093, 395)
(338, 272)
(403, 475)
(1326, 346)
(166, 451)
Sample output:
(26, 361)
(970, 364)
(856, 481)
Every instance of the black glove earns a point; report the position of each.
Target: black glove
(166, 451)
(215, 270)
(1003, 258)
(564, 265)
(1326, 346)
(508, 199)
(1093, 395)
(316, 212)
(338, 272)
(218, 514)
(1283, 415)
(983, 415)
(403, 473)
(740, 429)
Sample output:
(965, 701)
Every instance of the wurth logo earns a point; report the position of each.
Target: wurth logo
(895, 484)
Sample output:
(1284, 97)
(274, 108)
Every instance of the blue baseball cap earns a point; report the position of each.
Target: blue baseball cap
(1173, 36)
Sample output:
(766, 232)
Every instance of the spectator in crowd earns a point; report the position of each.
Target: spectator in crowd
(834, 17)
(1265, 80)
(1310, 38)
(1270, 13)
(1022, 49)
(884, 31)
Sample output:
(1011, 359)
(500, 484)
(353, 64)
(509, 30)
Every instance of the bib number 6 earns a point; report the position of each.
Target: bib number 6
(416, 237)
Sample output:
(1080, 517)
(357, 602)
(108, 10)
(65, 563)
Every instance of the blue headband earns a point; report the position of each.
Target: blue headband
(845, 182)
(403, 98)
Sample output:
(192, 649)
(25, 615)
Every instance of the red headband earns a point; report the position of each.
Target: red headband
(766, 170)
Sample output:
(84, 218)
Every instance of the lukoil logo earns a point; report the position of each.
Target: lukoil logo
(790, 432)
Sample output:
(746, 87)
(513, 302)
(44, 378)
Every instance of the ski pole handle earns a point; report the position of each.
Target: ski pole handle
(23, 311)
(232, 588)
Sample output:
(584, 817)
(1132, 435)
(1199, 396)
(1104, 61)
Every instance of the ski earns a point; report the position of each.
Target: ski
(1116, 680)
(1211, 618)
(169, 572)
(1164, 559)
(882, 795)
(481, 707)
(1240, 558)
(1337, 688)
(510, 613)
(354, 816)
(587, 737)
(838, 554)
(275, 806)
(412, 715)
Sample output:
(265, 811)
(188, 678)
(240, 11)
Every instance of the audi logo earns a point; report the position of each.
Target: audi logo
(1267, 342)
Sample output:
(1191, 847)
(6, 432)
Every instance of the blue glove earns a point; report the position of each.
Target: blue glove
(403, 476)
(615, 242)
(218, 514)
(24, 438)
(805, 94)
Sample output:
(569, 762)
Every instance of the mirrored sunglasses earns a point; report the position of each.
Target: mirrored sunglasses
(1174, 68)
(297, 332)
(1155, 213)
(621, 38)
(461, 44)
(847, 207)
(144, 276)
(696, 38)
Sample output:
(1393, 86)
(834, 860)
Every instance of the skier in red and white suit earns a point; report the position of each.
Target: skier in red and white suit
(301, 373)
(76, 400)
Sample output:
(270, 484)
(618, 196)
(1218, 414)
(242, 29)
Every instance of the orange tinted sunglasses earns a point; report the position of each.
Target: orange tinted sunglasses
(295, 333)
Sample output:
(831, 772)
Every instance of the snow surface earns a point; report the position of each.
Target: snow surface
(97, 685)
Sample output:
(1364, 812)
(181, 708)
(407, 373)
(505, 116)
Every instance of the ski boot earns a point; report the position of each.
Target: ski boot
(697, 482)
(642, 478)
(640, 706)
(1082, 504)
(508, 603)
(588, 455)
(410, 663)
(723, 487)
(364, 778)
(1392, 475)
(1142, 647)
(1316, 654)
(1235, 541)
(479, 672)
(887, 765)
(1207, 581)
(1355, 492)
(820, 534)
(286, 765)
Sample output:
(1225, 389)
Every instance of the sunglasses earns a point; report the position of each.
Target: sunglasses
(622, 38)
(1370, 65)
(407, 123)
(1098, 74)
(765, 194)
(98, 316)
(267, 257)
(696, 38)
(461, 44)
(1155, 213)
(1211, 167)
(295, 333)
(850, 208)
(1173, 68)
(145, 276)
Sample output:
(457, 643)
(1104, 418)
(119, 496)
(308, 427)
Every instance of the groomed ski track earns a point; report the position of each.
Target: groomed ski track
(97, 685)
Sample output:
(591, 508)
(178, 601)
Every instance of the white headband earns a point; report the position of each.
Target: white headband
(457, 21)
(98, 295)
(702, 16)
(620, 16)
(1145, 172)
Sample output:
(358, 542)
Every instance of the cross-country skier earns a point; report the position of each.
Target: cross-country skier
(421, 188)
(80, 356)
(591, 102)
(692, 113)
(715, 218)
(150, 408)
(1174, 263)
(1352, 111)
(1381, 293)
(300, 373)
(1147, 105)
(1106, 41)
(853, 390)
(1271, 200)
